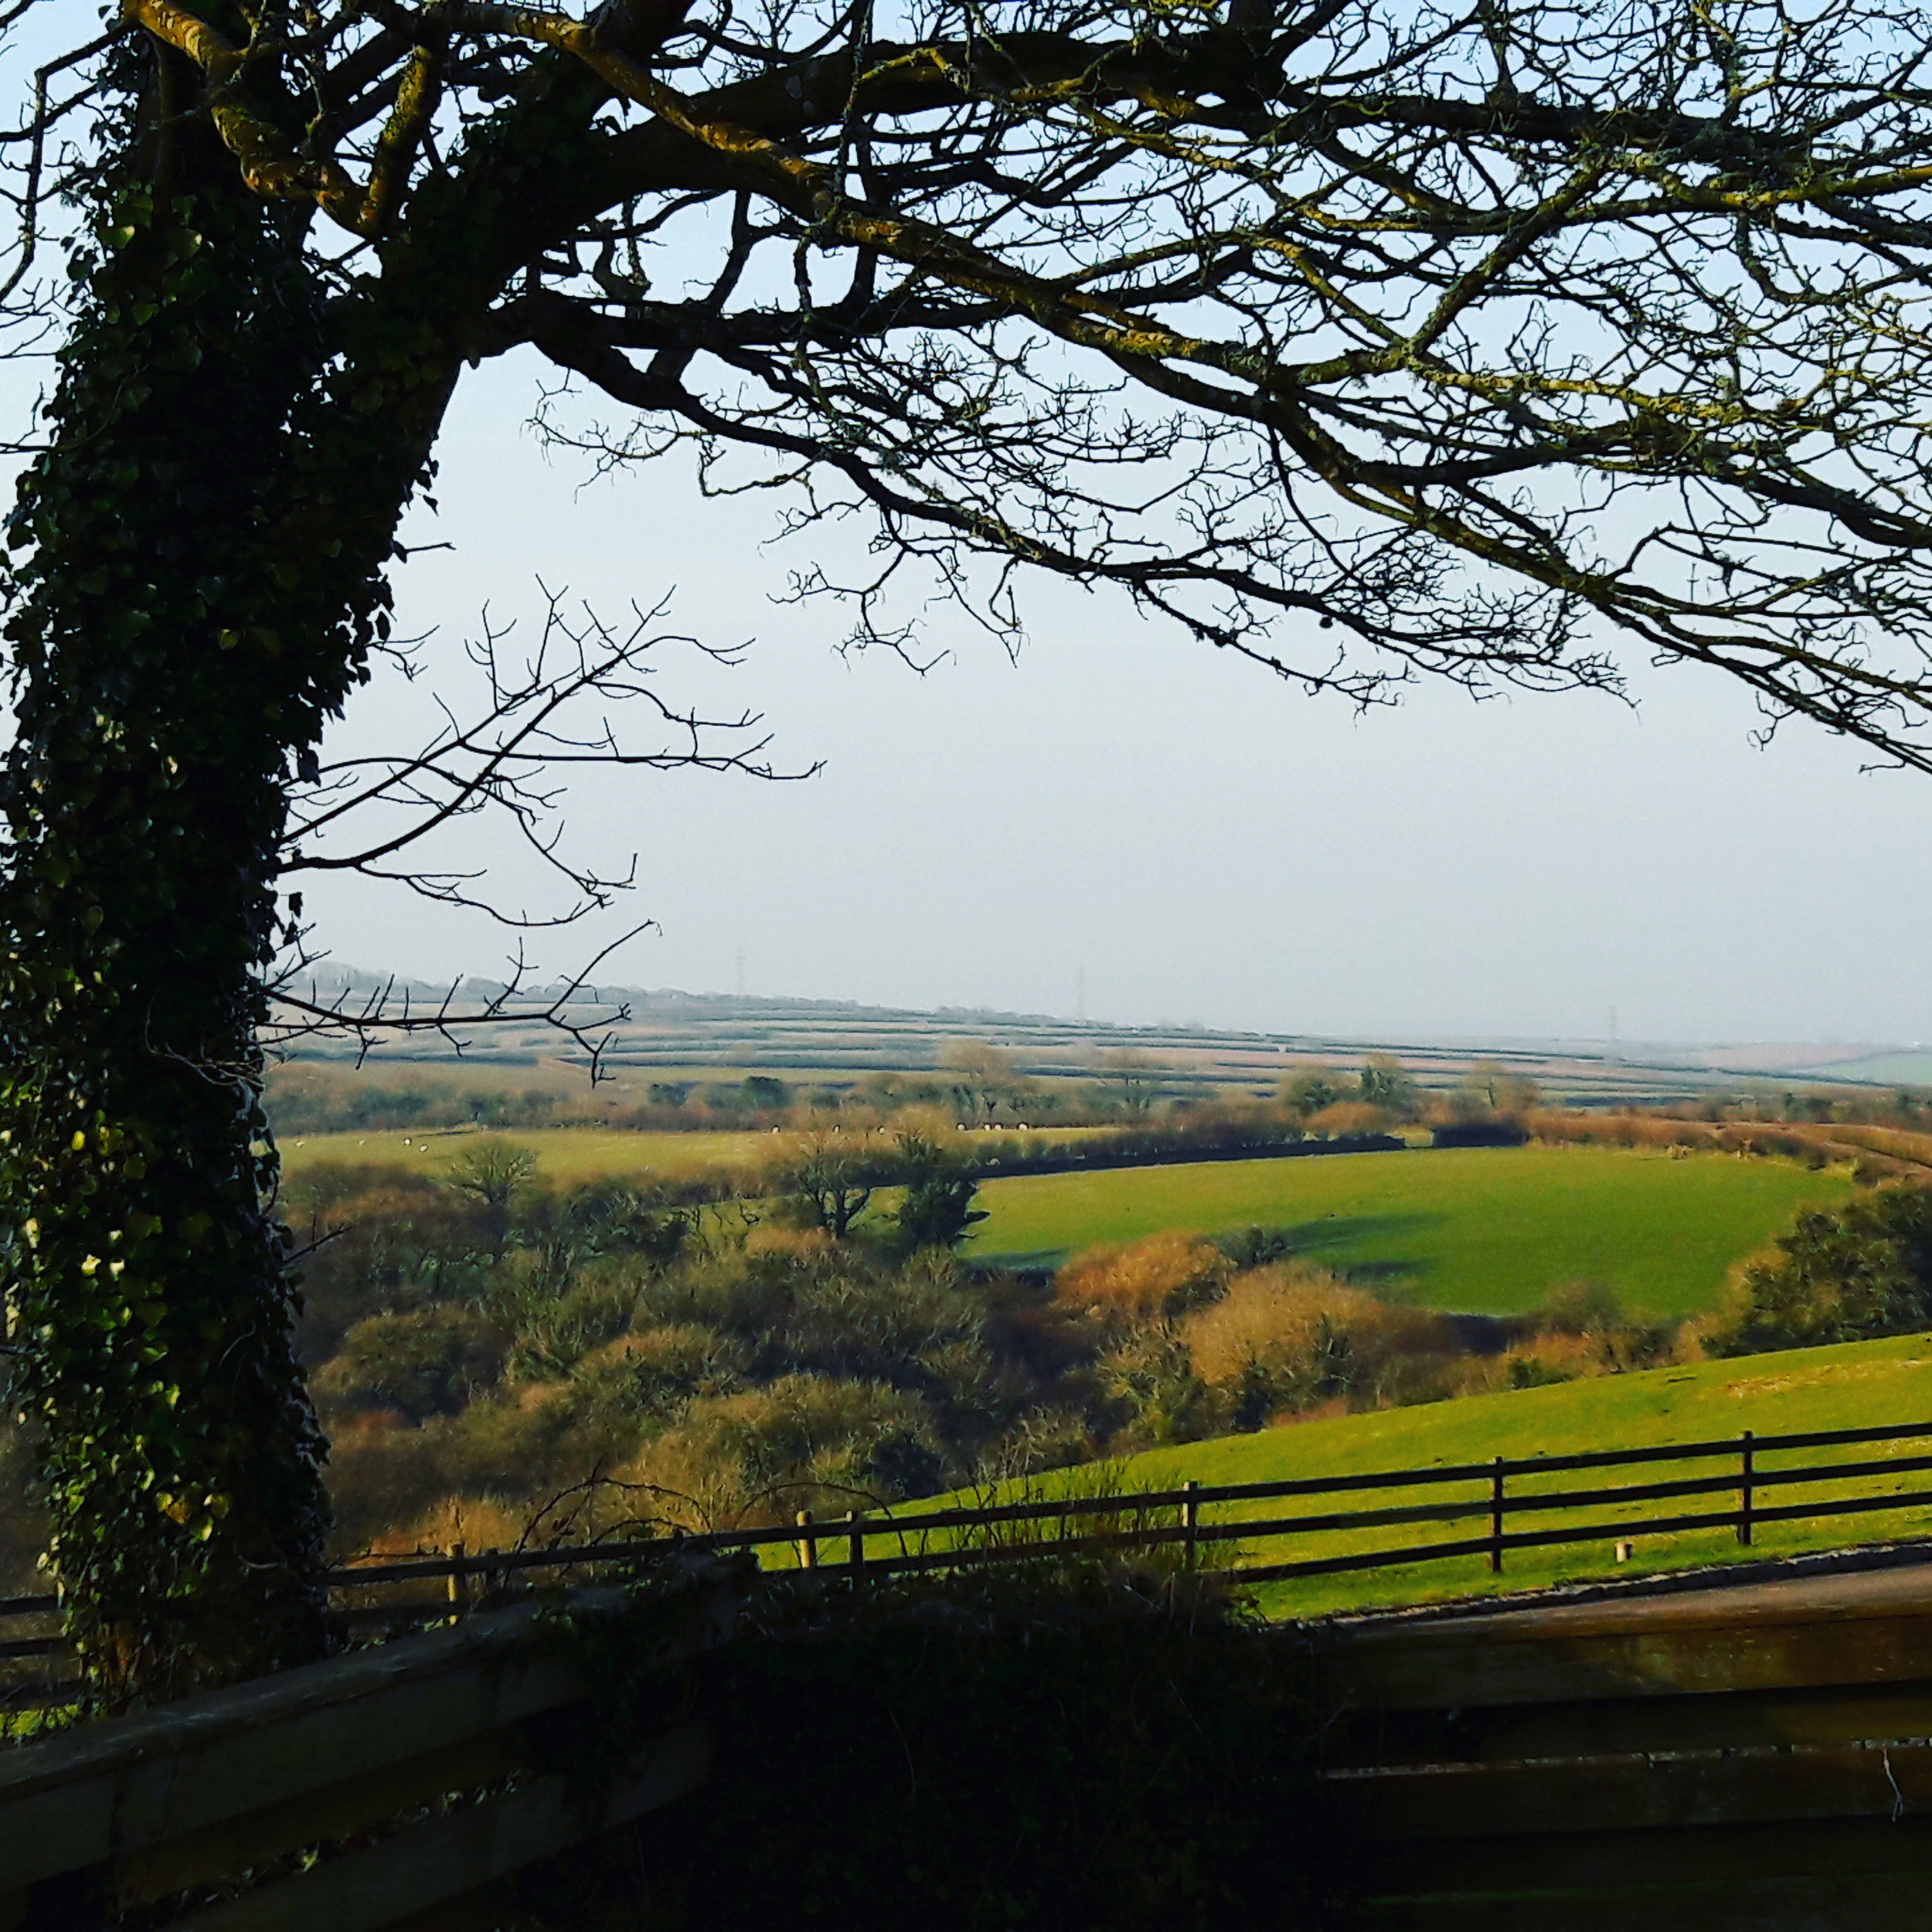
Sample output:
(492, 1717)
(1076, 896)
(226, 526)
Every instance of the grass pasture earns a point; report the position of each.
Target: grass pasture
(1868, 1384)
(1486, 1230)
(565, 1155)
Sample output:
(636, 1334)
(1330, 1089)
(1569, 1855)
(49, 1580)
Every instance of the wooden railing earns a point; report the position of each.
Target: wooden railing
(1736, 1758)
(1735, 1484)
(1746, 1760)
(1511, 1504)
(349, 1795)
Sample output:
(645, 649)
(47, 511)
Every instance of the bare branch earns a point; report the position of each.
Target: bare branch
(552, 712)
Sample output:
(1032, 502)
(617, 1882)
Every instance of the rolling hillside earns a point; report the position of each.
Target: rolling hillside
(1865, 1384)
(1489, 1231)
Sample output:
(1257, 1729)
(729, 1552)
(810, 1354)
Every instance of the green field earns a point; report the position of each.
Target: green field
(1858, 1385)
(1487, 1230)
(566, 1155)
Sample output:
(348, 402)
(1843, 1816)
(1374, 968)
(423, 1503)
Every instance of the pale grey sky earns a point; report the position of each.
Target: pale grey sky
(1197, 840)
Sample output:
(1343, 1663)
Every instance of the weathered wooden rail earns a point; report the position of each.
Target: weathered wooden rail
(1730, 1757)
(1736, 1485)
(1727, 1758)
(345, 1796)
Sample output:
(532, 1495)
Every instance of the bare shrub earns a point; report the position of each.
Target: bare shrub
(804, 1441)
(382, 1240)
(1150, 1376)
(557, 1331)
(658, 1369)
(382, 1474)
(429, 1361)
(1162, 1275)
(530, 1441)
(1291, 1336)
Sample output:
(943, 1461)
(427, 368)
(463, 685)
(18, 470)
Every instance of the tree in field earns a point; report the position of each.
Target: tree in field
(936, 1210)
(494, 1172)
(1308, 1093)
(1385, 1084)
(981, 1075)
(1365, 339)
(826, 1178)
(1840, 1275)
(1132, 1076)
(1489, 1091)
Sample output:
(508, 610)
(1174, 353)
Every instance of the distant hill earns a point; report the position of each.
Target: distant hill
(672, 1029)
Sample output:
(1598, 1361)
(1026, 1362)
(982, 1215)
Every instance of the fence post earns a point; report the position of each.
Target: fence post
(1495, 1520)
(1747, 1484)
(808, 1543)
(1190, 1522)
(458, 1593)
(858, 1541)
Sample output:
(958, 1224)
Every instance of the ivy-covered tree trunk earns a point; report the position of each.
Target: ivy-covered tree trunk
(159, 680)
(190, 600)
(198, 581)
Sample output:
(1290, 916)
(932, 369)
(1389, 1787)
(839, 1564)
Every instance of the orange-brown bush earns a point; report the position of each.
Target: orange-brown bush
(1283, 1338)
(1346, 1117)
(1876, 1154)
(1162, 1275)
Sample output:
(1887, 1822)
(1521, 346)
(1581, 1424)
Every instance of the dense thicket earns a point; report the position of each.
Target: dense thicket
(736, 1360)
(1860, 1270)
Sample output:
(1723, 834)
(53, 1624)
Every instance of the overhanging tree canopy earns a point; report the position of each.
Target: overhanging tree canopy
(1365, 338)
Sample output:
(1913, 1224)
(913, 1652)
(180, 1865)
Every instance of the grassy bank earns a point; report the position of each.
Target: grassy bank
(1860, 1385)
(1487, 1230)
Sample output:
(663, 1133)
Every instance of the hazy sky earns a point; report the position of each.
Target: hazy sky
(1173, 829)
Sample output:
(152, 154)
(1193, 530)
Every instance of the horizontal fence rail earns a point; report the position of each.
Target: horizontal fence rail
(1751, 1759)
(355, 1794)
(1490, 1509)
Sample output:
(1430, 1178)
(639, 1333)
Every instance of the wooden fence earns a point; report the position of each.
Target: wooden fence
(345, 1796)
(1752, 1758)
(1733, 1485)
(1744, 1759)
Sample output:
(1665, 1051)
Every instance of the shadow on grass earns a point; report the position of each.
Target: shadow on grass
(1022, 1260)
(1320, 1239)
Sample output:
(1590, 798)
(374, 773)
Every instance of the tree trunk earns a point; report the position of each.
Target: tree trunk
(149, 1293)
(198, 598)
(205, 541)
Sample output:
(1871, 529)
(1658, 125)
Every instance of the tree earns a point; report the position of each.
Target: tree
(936, 1209)
(1385, 1084)
(1134, 1075)
(1309, 1093)
(981, 1075)
(1842, 1275)
(1489, 1090)
(1326, 335)
(826, 1178)
(763, 1093)
(494, 1172)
